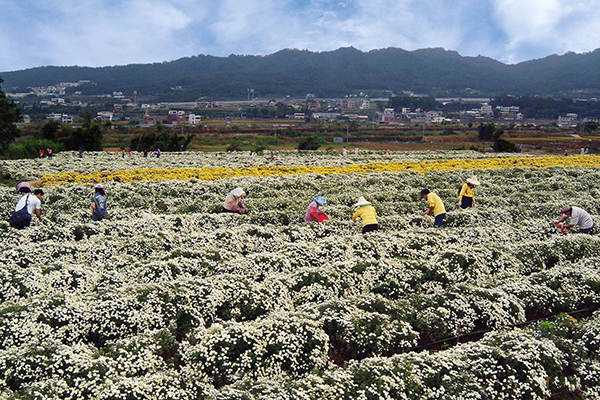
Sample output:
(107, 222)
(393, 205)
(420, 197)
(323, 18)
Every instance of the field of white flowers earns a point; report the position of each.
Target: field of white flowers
(173, 300)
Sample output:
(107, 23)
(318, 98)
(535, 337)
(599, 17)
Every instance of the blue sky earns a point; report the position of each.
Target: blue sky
(97, 33)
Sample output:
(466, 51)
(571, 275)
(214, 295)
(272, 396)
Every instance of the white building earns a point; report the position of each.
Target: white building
(486, 109)
(194, 119)
(54, 116)
(66, 119)
(104, 116)
(568, 121)
(434, 117)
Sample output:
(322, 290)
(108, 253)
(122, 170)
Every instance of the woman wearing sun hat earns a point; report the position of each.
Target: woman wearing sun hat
(466, 196)
(313, 213)
(234, 201)
(366, 212)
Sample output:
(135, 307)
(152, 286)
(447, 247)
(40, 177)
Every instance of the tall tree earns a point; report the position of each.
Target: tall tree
(50, 129)
(9, 116)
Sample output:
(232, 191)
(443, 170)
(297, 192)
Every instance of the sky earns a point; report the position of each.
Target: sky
(96, 33)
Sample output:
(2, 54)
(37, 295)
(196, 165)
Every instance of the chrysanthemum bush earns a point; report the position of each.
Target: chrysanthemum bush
(172, 299)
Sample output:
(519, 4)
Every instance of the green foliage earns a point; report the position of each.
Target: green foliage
(88, 136)
(311, 143)
(504, 146)
(161, 140)
(280, 111)
(9, 116)
(424, 103)
(28, 148)
(50, 129)
(489, 132)
(590, 126)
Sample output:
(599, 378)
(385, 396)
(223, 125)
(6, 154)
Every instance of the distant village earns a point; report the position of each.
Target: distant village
(356, 107)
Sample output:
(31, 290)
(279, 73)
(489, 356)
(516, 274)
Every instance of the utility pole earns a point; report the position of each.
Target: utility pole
(347, 132)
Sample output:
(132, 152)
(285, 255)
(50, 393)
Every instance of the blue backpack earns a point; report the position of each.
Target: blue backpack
(21, 218)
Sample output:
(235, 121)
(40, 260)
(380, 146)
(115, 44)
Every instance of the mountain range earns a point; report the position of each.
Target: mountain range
(434, 71)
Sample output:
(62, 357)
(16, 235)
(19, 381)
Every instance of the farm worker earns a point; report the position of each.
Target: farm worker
(356, 151)
(123, 153)
(313, 213)
(25, 208)
(566, 153)
(49, 151)
(344, 152)
(23, 187)
(157, 152)
(366, 212)
(234, 202)
(578, 217)
(99, 203)
(466, 197)
(436, 206)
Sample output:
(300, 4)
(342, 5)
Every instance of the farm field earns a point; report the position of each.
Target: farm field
(171, 299)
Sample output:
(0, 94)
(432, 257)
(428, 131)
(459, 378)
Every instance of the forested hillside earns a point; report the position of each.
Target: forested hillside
(436, 72)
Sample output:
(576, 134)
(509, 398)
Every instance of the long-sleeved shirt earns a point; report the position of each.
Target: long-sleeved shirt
(367, 214)
(313, 212)
(234, 203)
(466, 191)
(580, 217)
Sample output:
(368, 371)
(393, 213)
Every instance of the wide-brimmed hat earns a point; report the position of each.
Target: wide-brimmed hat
(238, 192)
(565, 209)
(98, 186)
(362, 202)
(473, 180)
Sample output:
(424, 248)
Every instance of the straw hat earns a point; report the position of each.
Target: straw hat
(98, 186)
(361, 202)
(473, 180)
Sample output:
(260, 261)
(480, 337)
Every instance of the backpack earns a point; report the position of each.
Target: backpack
(21, 218)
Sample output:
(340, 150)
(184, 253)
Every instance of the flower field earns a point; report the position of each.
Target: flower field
(173, 300)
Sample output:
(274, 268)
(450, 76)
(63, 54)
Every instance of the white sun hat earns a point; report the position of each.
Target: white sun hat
(473, 180)
(362, 202)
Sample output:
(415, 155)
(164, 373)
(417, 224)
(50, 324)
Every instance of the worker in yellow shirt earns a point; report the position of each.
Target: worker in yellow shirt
(436, 206)
(466, 197)
(366, 212)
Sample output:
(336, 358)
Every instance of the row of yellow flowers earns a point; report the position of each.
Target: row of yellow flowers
(159, 174)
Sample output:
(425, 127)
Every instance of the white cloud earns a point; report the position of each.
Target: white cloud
(536, 28)
(110, 32)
